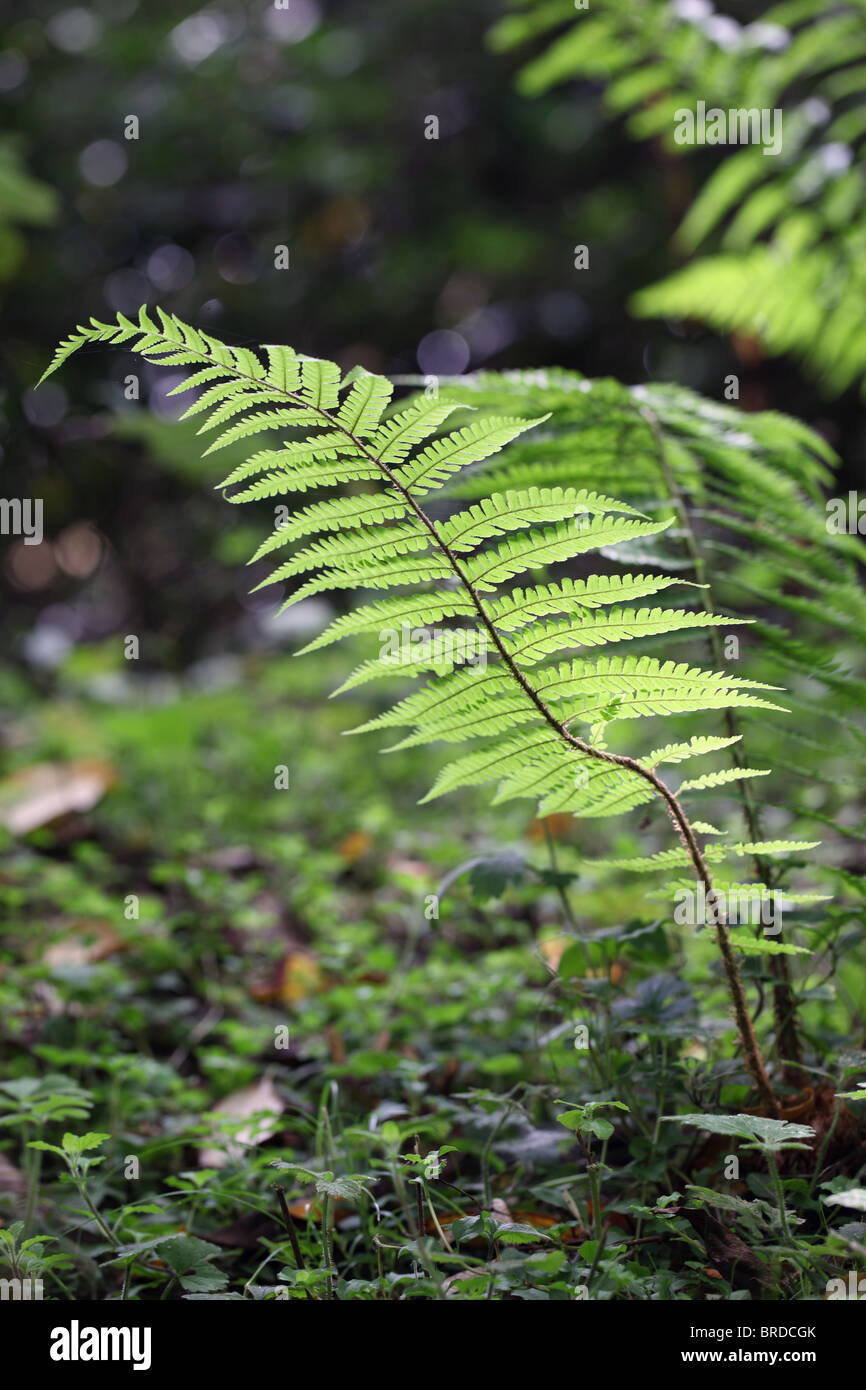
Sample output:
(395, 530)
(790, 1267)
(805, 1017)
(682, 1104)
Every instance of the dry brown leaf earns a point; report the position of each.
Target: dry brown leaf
(413, 868)
(540, 1220)
(613, 972)
(301, 977)
(559, 824)
(296, 977)
(248, 1101)
(39, 795)
(553, 949)
(354, 845)
(76, 949)
(310, 1209)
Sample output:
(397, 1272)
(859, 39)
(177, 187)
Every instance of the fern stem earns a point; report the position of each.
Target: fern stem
(784, 1004)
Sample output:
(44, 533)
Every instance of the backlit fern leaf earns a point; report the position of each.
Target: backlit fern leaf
(492, 687)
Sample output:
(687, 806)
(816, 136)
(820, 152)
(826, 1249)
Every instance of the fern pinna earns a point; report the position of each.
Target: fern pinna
(537, 719)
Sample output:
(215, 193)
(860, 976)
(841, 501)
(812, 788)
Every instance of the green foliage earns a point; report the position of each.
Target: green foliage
(335, 433)
(226, 867)
(750, 530)
(769, 1135)
(697, 478)
(723, 481)
(779, 240)
(24, 202)
(430, 1010)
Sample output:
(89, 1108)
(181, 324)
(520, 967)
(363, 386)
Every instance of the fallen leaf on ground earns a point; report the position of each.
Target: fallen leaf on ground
(553, 949)
(499, 1209)
(296, 977)
(76, 949)
(354, 845)
(301, 976)
(310, 1209)
(248, 1101)
(39, 795)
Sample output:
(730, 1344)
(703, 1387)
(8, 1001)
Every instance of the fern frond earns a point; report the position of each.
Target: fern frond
(395, 440)
(284, 481)
(361, 411)
(320, 383)
(665, 444)
(284, 368)
(496, 761)
(258, 423)
(436, 660)
(295, 454)
(389, 573)
(478, 719)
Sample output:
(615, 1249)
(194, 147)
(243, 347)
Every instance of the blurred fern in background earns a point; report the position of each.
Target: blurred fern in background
(776, 245)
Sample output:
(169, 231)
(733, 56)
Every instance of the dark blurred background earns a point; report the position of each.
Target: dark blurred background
(305, 127)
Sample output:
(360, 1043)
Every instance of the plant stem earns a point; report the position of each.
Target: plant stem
(419, 1191)
(825, 1145)
(82, 1192)
(289, 1223)
(327, 1210)
(784, 1004)
(780, 1197)
(34, 1169)
(446, 1243)
(599, 1247)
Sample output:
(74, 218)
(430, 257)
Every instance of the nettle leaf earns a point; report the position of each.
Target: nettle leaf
(517, 1233)
(755, 1209)
(76, 1144)
(854, 1198)
(469, 1227)
(763, 1133)
(350, 1189)
(583, 1119)
(190, 1258)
